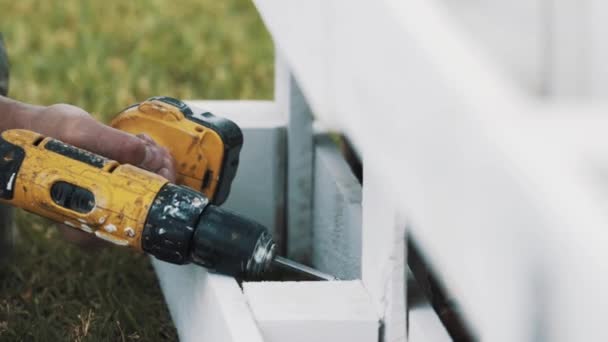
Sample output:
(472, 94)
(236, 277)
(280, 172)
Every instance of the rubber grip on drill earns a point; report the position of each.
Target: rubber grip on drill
(171, 222)
(11, 157)
(225, 241)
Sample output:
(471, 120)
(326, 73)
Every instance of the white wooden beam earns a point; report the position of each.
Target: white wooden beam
(515, 33)
(496, 209)
(597, 51)
(578, 52)
(395, 294)
(205, 306)
(569, 49)
(383, 250)
(313, 311)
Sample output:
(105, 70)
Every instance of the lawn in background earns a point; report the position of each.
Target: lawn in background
(104, 56)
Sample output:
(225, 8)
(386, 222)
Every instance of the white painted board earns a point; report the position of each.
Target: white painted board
(322, 311)
(206, 307)
(494, 205)
(577, 50)
(383, 250)
(515, 33)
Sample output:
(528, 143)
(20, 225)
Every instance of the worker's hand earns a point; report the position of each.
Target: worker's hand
(74, 126)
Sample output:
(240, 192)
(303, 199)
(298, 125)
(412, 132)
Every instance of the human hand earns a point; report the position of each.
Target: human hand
(74, 126)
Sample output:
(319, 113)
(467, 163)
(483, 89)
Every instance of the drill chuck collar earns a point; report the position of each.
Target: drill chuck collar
(182, 227)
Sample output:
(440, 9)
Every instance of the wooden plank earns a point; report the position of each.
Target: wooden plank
(395, 314)
(515, 33)
(337, 213)
(290, 101)
(597, 50)
(496, 209)
(205, 306)
(578, 52)
(569, 57)
(383, 251)
(411, 132)
(313, 311)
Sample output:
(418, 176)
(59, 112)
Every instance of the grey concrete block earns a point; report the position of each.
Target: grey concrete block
(336, 213)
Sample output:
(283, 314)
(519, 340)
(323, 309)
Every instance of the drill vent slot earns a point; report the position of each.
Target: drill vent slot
(207, 179)
(112, 167)
(38, 140)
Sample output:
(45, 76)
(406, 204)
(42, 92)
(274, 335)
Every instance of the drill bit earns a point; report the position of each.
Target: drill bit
(296, 267)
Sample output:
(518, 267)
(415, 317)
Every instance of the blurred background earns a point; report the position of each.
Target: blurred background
(104, 56)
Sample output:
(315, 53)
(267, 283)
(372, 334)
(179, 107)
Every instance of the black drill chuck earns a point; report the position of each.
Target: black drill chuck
(231, 244)
(182, 227)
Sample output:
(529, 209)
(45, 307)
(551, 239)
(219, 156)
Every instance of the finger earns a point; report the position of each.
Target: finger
(146, 138)
(95, 137)
(74, 126)
(154, 157)
(168, 169)
(162, 162)
(165, 173)
(169, 163)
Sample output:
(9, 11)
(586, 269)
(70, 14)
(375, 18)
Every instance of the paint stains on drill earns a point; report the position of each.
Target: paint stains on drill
(170, 223)
(110, 228)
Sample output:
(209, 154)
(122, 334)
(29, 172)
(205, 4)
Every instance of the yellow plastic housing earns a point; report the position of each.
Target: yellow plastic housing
(197, 150)
(123, 193)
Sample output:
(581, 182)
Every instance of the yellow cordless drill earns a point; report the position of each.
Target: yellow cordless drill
(178, 223)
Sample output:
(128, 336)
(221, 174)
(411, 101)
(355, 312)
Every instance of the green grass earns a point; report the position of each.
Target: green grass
(103, 56)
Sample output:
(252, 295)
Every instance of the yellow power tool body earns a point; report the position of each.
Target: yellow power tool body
(129, 206)
(75, 187)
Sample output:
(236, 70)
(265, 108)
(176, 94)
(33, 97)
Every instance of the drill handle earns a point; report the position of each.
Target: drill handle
(75, 187)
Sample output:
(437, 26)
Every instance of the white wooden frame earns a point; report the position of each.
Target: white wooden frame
(496, 196)
(210, 307)
(505, 194)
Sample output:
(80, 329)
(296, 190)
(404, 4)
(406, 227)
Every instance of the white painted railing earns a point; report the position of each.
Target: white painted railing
(482, 133)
